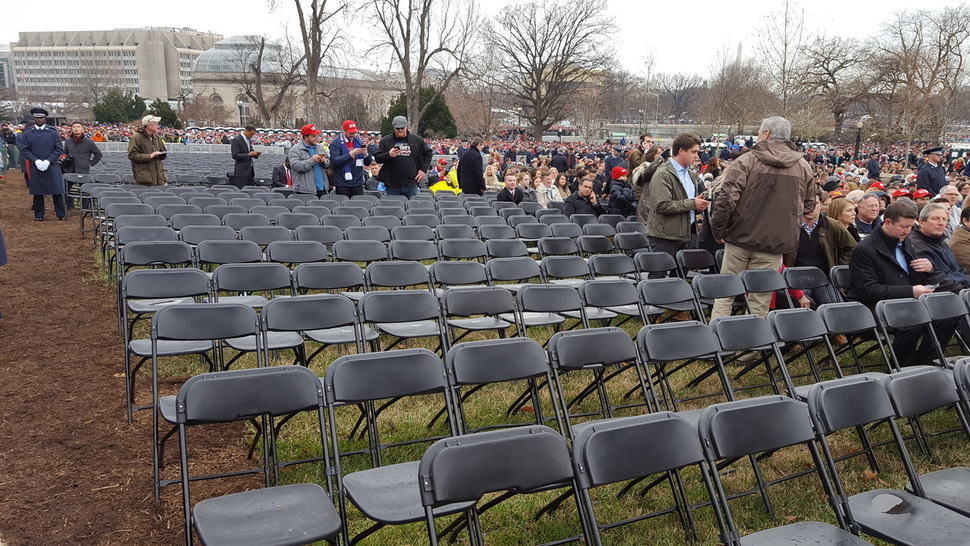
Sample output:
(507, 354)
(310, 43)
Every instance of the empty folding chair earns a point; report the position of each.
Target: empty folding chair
(458, 273)
(892, 515)
(288, 204)
(209, 252)
(326, 319)
(403, 315)
(238, 221)
(196, 234)
(631, 227)
(655, 265)
(342, 221)
(503, 231)
(413, 250)
(388, 210)
(613, 266)
(531, 233)
(733, 430)
(555, 218)
(604, 230)
(397, 275)
(270, 212)
(360, 212)
(412, 233)
(566, 229)
(515, 220)
(617, 296)
(462, 249)
(841, 279)
(856, 324)
(505, 248)
(293, 220)
(222, 210)
(304, 197)
(762, 281)
(292, 253)
(367, 233)
(915, 339)
(204, 201)
(631, 243)
(264, 235)
(359, 251)
(328, 235)
(569, 270)
(179, 221)
(169, 210)
(695, 261)
(744, 333)
(672, 294)
(557, 246)
(714, 286)
(387, 221)
(512, 273)
(455, 470)
(319, 212)
(947, 307)
(476, 309)
(422, 219)
(548, 305)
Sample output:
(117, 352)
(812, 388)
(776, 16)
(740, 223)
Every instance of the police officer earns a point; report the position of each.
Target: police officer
(40, 147)
(932, 174)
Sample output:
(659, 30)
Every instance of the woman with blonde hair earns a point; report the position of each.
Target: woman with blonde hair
(491, 178)
(843, 211)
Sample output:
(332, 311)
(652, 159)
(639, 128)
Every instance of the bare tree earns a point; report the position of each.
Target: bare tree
(737, 94)
(834, 73)
(678, 90)
(919, 64)
(782, 48)
(550, 52)
(429, 42)
(320, 35)
(267, 73)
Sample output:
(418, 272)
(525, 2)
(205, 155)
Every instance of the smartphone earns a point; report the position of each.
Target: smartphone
(932, 286)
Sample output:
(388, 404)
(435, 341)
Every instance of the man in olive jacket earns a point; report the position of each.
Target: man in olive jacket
(146, 150)
(674, 198)
(764, 195)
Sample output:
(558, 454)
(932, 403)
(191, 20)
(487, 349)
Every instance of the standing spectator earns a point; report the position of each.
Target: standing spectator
(873, 167)
(471, 169)
(243, 154)
(637, 155)
(612, 160)
(10, 144)
(510, 192)
(405, 158)
(146, 150)
(764, 195)
(559, 160)
(348, 153)
(81, 150)
(932, 173)
(674, 199)
(308, 164)
(40, 147)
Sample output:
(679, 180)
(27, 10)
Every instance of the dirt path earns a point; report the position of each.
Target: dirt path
(72, 471)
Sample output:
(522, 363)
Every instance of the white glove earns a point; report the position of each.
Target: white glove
(41, 164)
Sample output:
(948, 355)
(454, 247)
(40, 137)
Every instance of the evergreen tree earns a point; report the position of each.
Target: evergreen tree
(118, 107)
(163, 110)
(437, 121)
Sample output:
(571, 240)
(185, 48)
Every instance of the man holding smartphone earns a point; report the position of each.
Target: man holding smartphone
(349, 156)
(405, 157)
(308, 164)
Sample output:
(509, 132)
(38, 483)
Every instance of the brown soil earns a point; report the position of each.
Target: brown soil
(72, 471)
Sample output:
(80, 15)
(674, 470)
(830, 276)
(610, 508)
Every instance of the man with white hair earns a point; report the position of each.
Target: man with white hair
(764, 195)
(146, 150)
(953, 197)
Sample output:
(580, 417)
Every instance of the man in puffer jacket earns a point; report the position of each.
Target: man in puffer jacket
(623, 198)
(763, 197)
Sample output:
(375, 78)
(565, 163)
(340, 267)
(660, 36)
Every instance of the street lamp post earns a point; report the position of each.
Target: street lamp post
(858, 138)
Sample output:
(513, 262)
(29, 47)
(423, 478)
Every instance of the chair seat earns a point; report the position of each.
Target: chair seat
(949, 487)
(418, 328)
(575, 283)
(256, 302)
(628, 310)
(391, 495)
(535, 319)
(337, 336)
(289, 514)
(901, 518)
(143, 347)
(275, 340)
(151, 305)
(479, 323)
(592, 313)
(355, 296)
(807, 532)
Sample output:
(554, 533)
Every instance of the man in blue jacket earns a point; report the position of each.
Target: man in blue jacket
(40, 147)
(349, 155)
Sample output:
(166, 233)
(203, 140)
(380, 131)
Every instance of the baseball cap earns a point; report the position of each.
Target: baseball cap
(921, 193)
(309, 129)
(150, 119)
(877, 186)
(399, 122)
(618, 172)
(350, 126)
(901, 192)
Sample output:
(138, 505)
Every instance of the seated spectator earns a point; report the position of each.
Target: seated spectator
(930, 243)
(822, 243)
(510, 192)
(959, 242)
(583, 200)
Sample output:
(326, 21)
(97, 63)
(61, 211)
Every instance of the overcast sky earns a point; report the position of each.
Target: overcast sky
(680, 40)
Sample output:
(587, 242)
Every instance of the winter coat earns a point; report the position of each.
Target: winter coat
(148, 171)
(44, 144)
(85, 154)
(669, 216)
(301, 169)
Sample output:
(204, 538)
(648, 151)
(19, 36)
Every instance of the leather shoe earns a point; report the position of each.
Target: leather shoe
(36, 219)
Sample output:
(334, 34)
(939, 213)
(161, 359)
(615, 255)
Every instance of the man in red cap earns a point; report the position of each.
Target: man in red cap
(901, 192)
(308, 163)
(876, 186)
(623, 198)
(349, 155)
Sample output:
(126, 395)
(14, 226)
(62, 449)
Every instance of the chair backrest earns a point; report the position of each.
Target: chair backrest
(268, 211)
(359, 251)
(413, 250)
(222, 210)
(117, 209)
(902, 313)
(367, 233)
(293, 220)
(921, 390)
(328, 276)
(846, 317)
(848, 402)
(548, 298)
(318, 211)
(518, 460)
(805, 278)
(171, 210)
(557, 218)
(484, 300)
(288, 204)
(412, 233)
(385, 221)
(665, 291)
(608, 293)
(309, 312)
(604, 230)
(165, 283)
(631, 243)
(421, 219)
(742, 332)
(397, 274)
(943, 305)
(631, 227)
(204, 321)
(130, 234)
(841, 277)
(155, 252)
(264, 235)
(238, 395)
(592, 347)
(457, 273)
(205, 201)
(595, 244)
(387, 210)
(179, 221)
(794, 325)
(360, 211)
(532, 231)
(495, 360)
(462, 249)
(197, 234)
(238, 221)
(612, 264)
(251, 277)
(398, 306)
(327, 235)
(228, 252)
(454, 231)
(515, 220)
(696, 259)
(563, 229)
(296, 252)
(620, 449)
(718, 285)
(390, 374)
(755, 425)
(762, 280)
(557, 246)
(565, 267)
(505, 248)
(654, 262)
(512, 269)
(140, 220)
(503, 231)
(677, 341)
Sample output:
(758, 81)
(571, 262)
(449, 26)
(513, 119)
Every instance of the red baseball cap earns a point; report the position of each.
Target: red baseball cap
(901, 192)
(350, 126)
(309, 129)
(920, 193)
(876, 186)
(442, 161)
(618, 172)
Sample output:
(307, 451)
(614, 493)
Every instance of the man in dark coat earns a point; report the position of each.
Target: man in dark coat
(40, 148)
(583, 200)
(511, 192)
(471, 169)
(884, 266)
(281, 175)
(405, 159)
(82, 151)
(932, 173)
(243, 154)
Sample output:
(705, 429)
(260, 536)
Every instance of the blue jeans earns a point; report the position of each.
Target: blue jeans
(409, 191)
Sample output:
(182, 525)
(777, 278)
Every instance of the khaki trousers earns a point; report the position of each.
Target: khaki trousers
(736, 260)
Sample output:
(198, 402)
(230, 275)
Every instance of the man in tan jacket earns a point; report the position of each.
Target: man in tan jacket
(764, 195)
